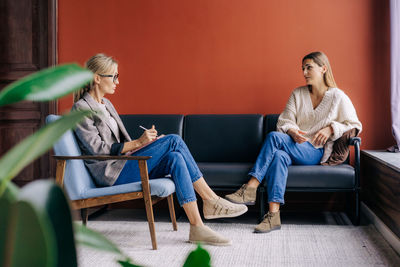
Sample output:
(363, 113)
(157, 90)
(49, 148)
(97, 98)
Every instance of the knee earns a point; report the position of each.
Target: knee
(274, 134)
(282, 156)
(175, 157)
(273, 137)
(174, 138)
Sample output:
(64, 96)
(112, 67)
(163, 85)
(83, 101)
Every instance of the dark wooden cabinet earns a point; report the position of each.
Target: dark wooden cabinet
(380, 176)
(27, 44)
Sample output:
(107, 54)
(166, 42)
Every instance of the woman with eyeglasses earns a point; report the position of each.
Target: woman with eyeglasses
(103, 133)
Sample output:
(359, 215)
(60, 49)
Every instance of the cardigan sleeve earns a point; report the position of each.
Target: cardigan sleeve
(345, 119)
(287, 119)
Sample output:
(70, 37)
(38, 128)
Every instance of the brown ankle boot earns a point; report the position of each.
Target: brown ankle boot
(245, 195)
(271, 221)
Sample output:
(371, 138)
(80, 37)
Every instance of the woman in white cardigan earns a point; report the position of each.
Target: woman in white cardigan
(315, 115)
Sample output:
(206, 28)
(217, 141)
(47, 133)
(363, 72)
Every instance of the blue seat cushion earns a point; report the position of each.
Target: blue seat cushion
(161, 187)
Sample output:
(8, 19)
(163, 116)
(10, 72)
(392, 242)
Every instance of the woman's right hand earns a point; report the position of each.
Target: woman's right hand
(297, 135)
(148, 136)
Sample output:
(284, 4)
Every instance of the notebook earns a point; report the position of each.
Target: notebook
(139, 148)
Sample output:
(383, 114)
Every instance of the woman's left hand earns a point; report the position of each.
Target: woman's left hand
(322, 136)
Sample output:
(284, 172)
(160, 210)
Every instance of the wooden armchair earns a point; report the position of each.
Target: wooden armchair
(72, 174)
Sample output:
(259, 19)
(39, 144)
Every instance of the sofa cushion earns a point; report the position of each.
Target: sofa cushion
(233, 175)
(224, 138)
(322, 177)
(165, 124)
(225, 175)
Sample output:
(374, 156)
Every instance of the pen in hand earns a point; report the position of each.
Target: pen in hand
(140, 126)
(143, 128)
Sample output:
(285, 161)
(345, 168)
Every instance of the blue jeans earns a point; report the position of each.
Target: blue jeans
(279, 151)
(169, 156)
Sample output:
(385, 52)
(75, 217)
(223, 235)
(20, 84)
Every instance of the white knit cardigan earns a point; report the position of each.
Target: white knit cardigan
(335, 109)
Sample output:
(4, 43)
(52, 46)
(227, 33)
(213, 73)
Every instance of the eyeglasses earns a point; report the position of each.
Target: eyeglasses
(115, 76)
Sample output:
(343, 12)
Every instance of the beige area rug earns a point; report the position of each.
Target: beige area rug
(293, 245)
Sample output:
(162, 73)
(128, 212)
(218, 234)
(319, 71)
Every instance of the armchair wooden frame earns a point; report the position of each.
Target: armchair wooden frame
(149, 201)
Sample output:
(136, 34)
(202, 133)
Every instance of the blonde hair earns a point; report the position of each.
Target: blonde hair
(98, 64)
(321, 59)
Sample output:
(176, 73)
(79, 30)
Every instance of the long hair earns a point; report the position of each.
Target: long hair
(99, 63)
(322, 60)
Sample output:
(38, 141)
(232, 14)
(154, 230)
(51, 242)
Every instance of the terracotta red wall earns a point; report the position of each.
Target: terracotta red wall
(233, 56)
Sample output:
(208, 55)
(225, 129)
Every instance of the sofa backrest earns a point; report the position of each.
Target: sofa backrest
(77, 179)
(270, 123)
(224, 138)
(165, 124)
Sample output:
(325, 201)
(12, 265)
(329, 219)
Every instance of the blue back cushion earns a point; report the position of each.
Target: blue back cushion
(224, 138)
(77, 179)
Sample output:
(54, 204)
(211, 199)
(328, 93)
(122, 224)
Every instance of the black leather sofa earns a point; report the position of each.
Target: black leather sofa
(226, 146)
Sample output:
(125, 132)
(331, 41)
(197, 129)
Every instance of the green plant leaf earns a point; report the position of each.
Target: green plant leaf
(87, 237)
(127, 263)
(26, 236)
(11, 192)
(46, 85)
(5, 234)
(35, 145)
(198, 258)
(49, 201)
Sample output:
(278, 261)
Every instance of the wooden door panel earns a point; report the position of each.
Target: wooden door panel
(27, 44)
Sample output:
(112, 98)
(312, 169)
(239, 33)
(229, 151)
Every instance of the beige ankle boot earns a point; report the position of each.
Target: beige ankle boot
(204, 234)
(271, 221)
(245, 195)
(222, 208)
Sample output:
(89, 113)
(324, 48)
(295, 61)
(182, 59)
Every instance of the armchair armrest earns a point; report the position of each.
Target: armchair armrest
(102, 157)
(61, 161)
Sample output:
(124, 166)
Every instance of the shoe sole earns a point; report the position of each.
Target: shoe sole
(264, 232)
(251, 203)
(208, 217)
(211, 243)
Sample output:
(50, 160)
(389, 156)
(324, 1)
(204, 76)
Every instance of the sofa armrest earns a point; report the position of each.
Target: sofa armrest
(356, 142)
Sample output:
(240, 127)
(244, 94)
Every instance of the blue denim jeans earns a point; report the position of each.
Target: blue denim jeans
(169, 156)
(279, 151)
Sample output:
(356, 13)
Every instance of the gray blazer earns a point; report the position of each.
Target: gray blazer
(96, 137)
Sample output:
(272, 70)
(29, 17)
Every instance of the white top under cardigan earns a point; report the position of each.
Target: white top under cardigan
(335, 109)
(113, 123)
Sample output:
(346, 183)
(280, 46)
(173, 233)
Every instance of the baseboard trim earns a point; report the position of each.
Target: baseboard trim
(387, 234)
